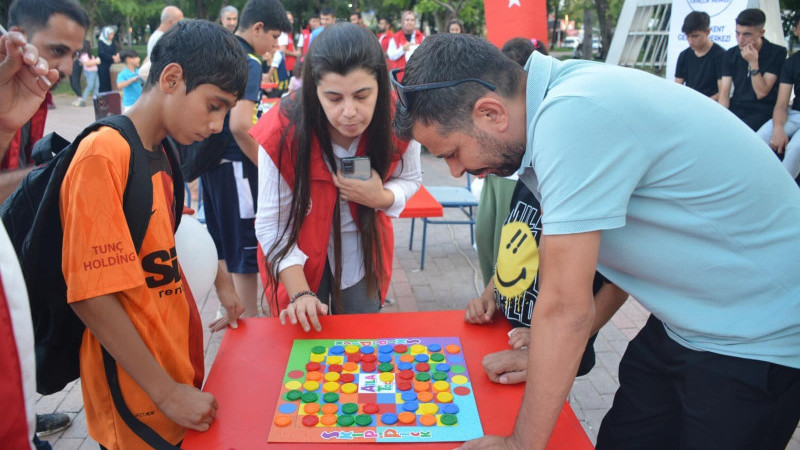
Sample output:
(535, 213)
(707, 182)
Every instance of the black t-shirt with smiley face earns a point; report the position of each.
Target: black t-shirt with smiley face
(516, 275)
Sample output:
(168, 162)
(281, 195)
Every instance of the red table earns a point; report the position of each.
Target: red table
(248, 372)
(422, 204)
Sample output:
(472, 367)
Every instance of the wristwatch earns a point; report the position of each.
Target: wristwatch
(753, 72)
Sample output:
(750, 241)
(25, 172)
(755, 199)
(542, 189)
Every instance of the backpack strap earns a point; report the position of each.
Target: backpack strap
(138, 197)
(145, 433)
(174, 158)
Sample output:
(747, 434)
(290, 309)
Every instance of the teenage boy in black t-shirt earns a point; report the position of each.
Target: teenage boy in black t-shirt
(752, 67)
(699, 65)
(230, 188)
(781, 132)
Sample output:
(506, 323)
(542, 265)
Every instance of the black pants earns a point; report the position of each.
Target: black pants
(671, 397)
(753, 117)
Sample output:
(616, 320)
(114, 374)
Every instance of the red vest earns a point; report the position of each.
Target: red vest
(384, 39)
(290, 59)
(306, 36)
(11, 160)
(400, 40)
(316, 229)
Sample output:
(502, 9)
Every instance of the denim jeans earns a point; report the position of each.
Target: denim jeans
(92, 84)
(791, 155)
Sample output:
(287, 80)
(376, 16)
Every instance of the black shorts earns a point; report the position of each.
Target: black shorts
(672, 397)
(229, 203)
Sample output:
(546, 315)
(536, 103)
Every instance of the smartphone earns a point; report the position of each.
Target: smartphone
(356, 167)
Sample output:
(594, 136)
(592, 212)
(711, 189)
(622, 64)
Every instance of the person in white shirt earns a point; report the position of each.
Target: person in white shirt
(405, 41)
(328, 238)
(169, 16)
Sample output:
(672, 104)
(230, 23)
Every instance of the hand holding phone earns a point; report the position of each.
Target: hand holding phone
(356, 167)
(360, 184)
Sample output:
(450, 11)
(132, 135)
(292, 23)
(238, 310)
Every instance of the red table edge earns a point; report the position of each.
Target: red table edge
(567, 421)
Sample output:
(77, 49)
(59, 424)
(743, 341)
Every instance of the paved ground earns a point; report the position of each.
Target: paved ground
(451, 278)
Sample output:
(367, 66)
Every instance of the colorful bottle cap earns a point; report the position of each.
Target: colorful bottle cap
(389, 418)
(349, 408)
(363, 420)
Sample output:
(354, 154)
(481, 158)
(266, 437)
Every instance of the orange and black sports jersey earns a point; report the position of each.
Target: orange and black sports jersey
(99, 258)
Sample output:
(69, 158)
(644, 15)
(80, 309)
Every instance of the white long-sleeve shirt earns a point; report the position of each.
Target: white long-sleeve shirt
(275, 200)
(394, 52)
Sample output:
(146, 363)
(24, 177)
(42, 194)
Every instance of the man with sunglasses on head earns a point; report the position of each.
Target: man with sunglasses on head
(56, 28)
(670, 209)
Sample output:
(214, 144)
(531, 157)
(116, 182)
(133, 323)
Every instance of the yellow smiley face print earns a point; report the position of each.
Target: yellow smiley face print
(517, 260)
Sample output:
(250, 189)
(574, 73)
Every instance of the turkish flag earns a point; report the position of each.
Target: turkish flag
(508, 19)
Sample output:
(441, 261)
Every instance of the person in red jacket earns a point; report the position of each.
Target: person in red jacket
(327, 238)
(385, 33)
(405, 41)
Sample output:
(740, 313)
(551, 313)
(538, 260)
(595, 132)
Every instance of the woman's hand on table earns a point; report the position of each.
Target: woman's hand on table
(491, 442)
(305, 310)
(369, 193)
(507, 366)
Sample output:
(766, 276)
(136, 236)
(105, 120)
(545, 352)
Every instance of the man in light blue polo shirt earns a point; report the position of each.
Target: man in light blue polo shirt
(673, 199)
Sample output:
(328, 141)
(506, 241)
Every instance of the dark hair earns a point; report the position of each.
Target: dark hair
(454, 21)
(128, 53)
(207, 53)
(696, 21)
(752, 17)
(87, 47)
(340, 48)
(327, 11)
(32, 15)
(518, 50)
(268, 12)
(447, 57)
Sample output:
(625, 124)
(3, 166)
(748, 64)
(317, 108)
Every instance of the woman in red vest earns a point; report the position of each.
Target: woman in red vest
(327, 238)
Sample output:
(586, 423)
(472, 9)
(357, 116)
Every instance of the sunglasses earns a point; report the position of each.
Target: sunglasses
(403, 91)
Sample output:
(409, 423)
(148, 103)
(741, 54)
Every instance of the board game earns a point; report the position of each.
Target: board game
(379, 390)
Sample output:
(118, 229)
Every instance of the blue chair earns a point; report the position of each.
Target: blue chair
(449, 197)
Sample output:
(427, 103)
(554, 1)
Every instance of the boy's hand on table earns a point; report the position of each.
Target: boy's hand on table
(519, 337)
(480, 310)
(305, 310)
(233, 309)
(507, 366)
(189, 407)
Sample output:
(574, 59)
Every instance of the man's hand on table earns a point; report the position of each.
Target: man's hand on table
(491, 442)
(507, 366)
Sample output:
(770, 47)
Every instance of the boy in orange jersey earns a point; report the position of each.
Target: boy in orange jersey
(136, 305)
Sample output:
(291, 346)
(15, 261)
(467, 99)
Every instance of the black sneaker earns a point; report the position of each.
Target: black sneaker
(47, 424)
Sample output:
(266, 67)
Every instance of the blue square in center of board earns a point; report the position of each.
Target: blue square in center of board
(386, 398)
